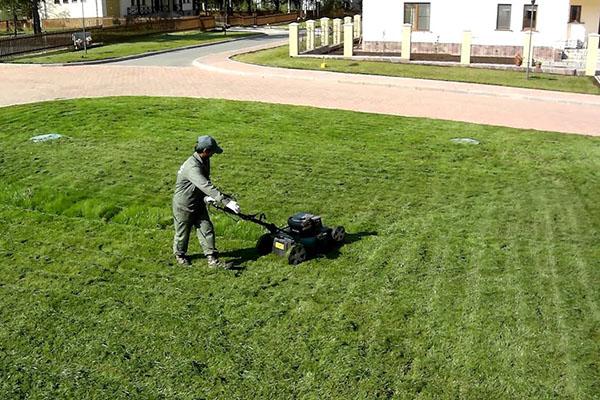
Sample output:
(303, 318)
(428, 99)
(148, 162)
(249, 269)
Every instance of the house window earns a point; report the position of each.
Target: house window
(56, 1)
(529, 17)
(503, 19)
(418, 15)
(575, 14)
(66, 1)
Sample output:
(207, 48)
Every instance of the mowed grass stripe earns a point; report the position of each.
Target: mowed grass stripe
(566, 287)
(578, 222)
(537, 336)
(547, 230)
(510, 247)
(466, 358)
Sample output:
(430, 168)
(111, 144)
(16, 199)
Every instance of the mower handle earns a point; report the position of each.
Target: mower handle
(258, 219)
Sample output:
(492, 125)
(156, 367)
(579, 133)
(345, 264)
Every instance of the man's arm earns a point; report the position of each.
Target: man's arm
(206, 186)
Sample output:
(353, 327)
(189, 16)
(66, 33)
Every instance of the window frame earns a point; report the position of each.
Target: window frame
(498, 28)
(534, 13)
(577, 19)
(415, 24)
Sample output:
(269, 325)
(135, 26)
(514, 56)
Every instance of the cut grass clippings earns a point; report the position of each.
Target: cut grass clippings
(141, 45)
(471, 271)
(278, 57)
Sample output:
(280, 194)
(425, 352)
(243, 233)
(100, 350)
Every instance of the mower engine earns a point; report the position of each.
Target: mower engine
(304, 236)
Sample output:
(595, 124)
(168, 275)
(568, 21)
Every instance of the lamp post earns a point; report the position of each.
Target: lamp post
(97, 13)
(529, 53)
(226, 4)
(83, 27)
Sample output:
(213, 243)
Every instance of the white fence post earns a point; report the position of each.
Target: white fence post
(465, 48)
(294, 39)
(310, 35)
(406, 41)
(325, 31)
(591, 65)
(357, 26)
(348, 39)
(337, 31)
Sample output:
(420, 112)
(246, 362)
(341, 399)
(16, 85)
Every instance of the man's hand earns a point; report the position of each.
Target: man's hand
(209, 200)
(233, 206)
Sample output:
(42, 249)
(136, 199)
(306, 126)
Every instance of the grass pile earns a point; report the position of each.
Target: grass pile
(133, 46)
(471, 271)
(279, 57)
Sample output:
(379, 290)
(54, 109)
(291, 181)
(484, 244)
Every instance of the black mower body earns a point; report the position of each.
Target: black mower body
(303, 237)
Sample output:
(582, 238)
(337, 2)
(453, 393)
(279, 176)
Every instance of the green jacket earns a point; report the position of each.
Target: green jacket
(193, 184)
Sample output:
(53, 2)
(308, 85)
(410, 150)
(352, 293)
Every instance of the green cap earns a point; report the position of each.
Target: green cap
(208, 142)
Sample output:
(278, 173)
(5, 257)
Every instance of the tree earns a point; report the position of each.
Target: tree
(35, 16)
(14, 8)
(23, 8)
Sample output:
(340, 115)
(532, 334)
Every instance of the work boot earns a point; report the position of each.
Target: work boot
(215, 262)
(183, 260)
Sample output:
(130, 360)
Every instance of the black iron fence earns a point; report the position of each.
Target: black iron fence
(32, 43)
(13, 46)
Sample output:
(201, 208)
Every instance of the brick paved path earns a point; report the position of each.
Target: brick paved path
(216, 76)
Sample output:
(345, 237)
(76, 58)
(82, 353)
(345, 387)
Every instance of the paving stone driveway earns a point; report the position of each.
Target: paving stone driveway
(216, 76)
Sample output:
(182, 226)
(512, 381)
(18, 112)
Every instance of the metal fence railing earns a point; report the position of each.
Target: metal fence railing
(251, 20)
(13, 46)
(319, 40)
(23, 44)
(32, 43)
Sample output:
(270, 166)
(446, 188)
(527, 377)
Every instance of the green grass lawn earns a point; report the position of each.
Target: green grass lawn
(162, 41)
(278, 57)
(471, 271)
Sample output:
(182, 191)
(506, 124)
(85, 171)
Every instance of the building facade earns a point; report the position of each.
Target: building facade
(75, 9)
(498, 27)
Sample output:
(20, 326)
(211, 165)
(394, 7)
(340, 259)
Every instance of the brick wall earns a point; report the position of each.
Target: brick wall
(453, 50)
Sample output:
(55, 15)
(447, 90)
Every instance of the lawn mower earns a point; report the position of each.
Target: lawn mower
(303, 237)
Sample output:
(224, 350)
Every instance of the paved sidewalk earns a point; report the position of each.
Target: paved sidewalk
(216, 76)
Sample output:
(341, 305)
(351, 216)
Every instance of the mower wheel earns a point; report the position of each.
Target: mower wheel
(338, 234)
(297, 254)
(264, 244)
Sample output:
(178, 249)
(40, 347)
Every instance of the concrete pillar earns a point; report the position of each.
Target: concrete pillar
(347, 20)
(526, 45)
(337, 31)
(325, 31)
(591, 64)
(348, 39)
(310, 35)
(357, 26)
(294, 40)
(465, 48)
(406, 41)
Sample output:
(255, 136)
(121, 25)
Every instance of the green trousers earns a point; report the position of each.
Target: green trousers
(184, 222)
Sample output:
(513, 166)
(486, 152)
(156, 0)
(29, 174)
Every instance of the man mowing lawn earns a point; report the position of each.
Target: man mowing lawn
(189, 209)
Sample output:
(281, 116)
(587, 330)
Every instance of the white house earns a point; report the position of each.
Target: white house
(72, 9)
(64, 9)
(498, 27)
